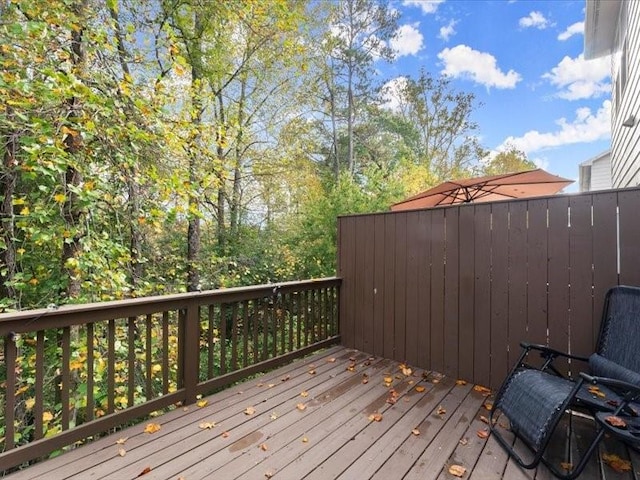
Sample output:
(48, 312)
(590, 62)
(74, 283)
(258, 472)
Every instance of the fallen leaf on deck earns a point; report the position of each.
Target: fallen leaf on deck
(393, 397)
(435, 380)
(366, 363)
(122, 452)
(331, 360)
(615, 421)
(441, 410)
(304, 394)
(375, 417)
(225, 434)
(484, 419)
(463, 441)
(406, 371)
(144, 471)
(202, 403)
(121, 441)
(301, 406)
(271, 385)
(353, 359)
(151, 428)
(274, 415)
(351, 367)
(260, 385)
(566, 466)
(488, 406)
(420, 389)
(207, 425)
(593, 389)
(305, 439)
(268, 474)
(312, 371)
(483, 433)
(249, 411)
(284, 379)
(415, 431)
(461, 382)
(617, 463)
(613, 403)
(457, 470)
(263, 447)
(483, 390)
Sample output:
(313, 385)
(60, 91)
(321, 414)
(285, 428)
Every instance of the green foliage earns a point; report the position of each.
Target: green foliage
(508, 161)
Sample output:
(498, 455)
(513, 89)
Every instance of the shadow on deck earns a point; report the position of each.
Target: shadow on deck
(330, 415)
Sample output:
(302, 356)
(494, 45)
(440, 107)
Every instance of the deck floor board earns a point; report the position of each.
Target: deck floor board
(421, 433)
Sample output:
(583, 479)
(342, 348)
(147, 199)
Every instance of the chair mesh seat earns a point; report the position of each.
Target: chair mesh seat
(532, 401)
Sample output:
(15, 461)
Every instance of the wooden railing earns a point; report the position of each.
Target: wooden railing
(71, 373)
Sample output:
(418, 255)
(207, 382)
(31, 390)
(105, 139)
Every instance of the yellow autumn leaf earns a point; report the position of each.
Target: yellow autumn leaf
(29, 403)
(207, 425)
(122, 440)
(202, 403)
(420, 389)
(25, 211)
(304, 393)
(122, 452)
(47, 417)
(151, 428)
(301, 406)
(457, 470)
(60, 197)
(157, 368)
(249, 411)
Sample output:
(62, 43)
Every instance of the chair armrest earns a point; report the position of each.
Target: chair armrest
(548, 351)
(630, 389)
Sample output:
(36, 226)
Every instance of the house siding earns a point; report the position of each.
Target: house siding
(625, 73)
(601, 174)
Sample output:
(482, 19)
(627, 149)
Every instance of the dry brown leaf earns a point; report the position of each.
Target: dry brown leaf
(388, 379)
(488, 406)
(301, 406)
(122, 452)
(284, 379)
(260, 385)
(202, 403)
(441, 410)
(365, 378)
(271, 385)
(484, 433)
(268, 474)
(375, 417)
(415, 431)
(304, 394)
(482, 390)
(144, 471)
(617, 463)
(615, 421)
(457, 470)
(331, 360)
(312, 371)
(484, 419)
(263, 447)
(435, 380)
(352, 358)
(393, 397)
(121, 441)
(420, 389)
(463, 441)
(207, 425)
(249, 411)
(151, 428)
(593, 389)
(225, 435)
(461, 382)
(351, 367)
(566, 466)
(274, 415)
(406, 371)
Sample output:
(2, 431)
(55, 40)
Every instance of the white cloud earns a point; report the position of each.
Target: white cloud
(534, 19)
(578, 78)
(447, 31)
(463, 61)
(427, 6)
(575, 29)
(391, 93)
(408, 40)
(586, 127)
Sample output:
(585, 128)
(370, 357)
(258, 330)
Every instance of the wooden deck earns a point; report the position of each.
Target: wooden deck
(316, 419)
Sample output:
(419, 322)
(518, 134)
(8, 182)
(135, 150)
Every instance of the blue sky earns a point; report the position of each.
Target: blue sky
(523, 61)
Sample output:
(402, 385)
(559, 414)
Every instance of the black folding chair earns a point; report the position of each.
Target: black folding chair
(535, 399)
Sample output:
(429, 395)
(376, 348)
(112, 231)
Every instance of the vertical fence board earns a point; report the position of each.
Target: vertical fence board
(437, 290)
(389, 284)
(368, 248)
(558, 303)
(537, 271)
(482, 295)
(466, 300)
(359, 282)
(400, 306)
(580, 276)
(451, 291)
(347, 257)
(413, 243)
(517, 248)
(499, 292)
(424, 290)
(629, 202)
(379, 275)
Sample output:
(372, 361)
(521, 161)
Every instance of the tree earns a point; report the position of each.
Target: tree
(507, 161)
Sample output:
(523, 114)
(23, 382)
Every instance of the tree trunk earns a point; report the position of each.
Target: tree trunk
(8, 265)
(234, 210)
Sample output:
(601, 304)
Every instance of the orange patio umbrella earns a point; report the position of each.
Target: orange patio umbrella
(532, 183)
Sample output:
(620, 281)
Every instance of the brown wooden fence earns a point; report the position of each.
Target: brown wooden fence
(455, 289)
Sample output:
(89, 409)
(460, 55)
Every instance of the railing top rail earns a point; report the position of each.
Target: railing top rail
(77, 314)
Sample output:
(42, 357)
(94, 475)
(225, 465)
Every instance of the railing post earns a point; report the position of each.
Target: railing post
(190, 350)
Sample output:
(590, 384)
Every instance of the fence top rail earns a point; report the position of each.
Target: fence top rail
(78, 314)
